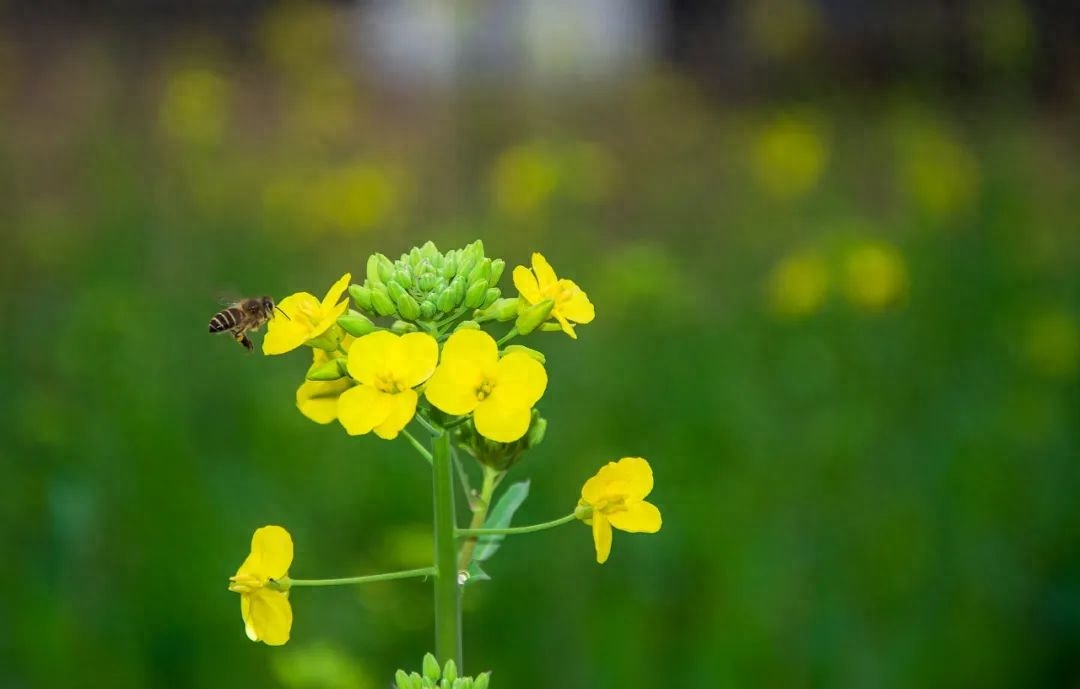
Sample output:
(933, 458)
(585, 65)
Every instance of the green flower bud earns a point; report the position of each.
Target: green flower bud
(539, 356)
(416, 681)
(551, 328)
(402, 681)
(461, 683)
(501, 310)
(427, 281)
(466, 262)
(333, 369)
(429, 251)
(356, 324)
(407, 307)
(329, 340)
(403, 276)
(474, 297)
(537, 431)
(415, 257)
(430, 666)
(497, 267)
(446, 301)
(427, 309)
(468, 325)
(402, 327)
(492, 294)
(481, 681)
(449, 267)
(361, 294)
(449, 672)
(532, 316)
(382, 303)
(481, 271)
(384, 267)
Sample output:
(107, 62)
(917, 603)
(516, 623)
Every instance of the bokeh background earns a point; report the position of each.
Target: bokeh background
(834, 252)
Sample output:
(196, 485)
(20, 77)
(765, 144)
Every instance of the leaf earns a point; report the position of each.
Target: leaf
(476, 573)
(499, 518)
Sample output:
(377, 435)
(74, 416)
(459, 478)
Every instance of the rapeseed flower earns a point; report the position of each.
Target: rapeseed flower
(266, 611)
(306, 318)
(616, 496)
(498, 392)
(572, 305)
(386, 367)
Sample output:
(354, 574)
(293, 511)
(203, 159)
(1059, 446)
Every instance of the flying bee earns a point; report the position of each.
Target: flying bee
(244, 316)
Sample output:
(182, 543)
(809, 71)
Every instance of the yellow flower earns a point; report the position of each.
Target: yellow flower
(318, 400)
(798, 285)
(500, 393)
(307, 318)
(266, 611)
(876, 276)
(572, 305)
(386, 367)
(617, 498)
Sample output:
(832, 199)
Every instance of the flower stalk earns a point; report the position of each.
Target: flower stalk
(285, 583)
(447, 589)
(511, 530)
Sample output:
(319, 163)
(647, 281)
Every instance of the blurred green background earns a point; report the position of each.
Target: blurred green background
(834, 256)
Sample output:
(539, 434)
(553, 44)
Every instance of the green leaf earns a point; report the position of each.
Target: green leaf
(499, 518)
(476, 573)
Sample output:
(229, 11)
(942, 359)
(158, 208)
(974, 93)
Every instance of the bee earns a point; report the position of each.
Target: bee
(244, 316)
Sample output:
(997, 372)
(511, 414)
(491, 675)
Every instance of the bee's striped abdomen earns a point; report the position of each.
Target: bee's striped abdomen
(225, 320)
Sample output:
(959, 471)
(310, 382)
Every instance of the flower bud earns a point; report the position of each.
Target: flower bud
(382, 303)
(467, 325)
(551, 328)
(536, 432)
(334, 369)
(449, 672)
(407, 307)
(356, 323)
(481, 681)
(497, 267)
(427, 309)
(492, 294)
(446, 301)
(403, 276)
(466, 261)
(429, 251)
(403, 681)
(402, 327)
(427, 280)
(449, 266)
(533, 316)
(474, 297)
(461, 683)
(373, 270)
(385, 268)
(481, 271)
(430, 666)
(501, 310)
(329, 340)
(539, 356)
(361, 294)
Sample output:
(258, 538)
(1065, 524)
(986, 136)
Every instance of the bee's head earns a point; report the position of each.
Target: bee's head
(268, 306)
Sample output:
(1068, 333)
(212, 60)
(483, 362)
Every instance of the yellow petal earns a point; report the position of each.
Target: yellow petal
(520, 381)
(636, 472)
(419, 353)
(370, 356)
(286, 334)
(362, 408)
(577, 306)
(601, 534)
(335, 292)
(452, 388)
(274, 547)
(470, 345)
(318, 400)
(402, 409)
(566, 327)
(269, 616)
(639, 517)
(526, 285)
(245, 613)
(329, 318)
(545, 274)
(629, 478)
(501, 423)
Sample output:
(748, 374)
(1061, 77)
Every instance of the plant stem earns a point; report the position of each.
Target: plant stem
(487, 489)
(404, 574)
(416, 444)
(518, 529)
(507, 337)
(447, 589)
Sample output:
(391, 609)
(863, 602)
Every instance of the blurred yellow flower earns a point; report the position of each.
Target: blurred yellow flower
(305, 318)
(318, 400)
(266, 611)
(572, 305)
(1052, 344)
(798, 285)
(386, 368)
(789, 156)
(194, 107)
(358, 197)
(939, 174)
(523, 179)
(875, 276)
(617, 495)
(500, 393)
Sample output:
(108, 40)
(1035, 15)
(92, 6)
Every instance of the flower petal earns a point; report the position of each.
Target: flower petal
(526, 284)
(566, 327)
(419, 353)
(640, 517)
(270, 616)
(335, 292)
(362, 408)
(545, 274)
(318, 400)
(371, 356)
(274, 547)
(601, 534)
(402, 409)
(245, 613)
(636, 472)
(286, 334)
(501, 423)
(520, 381)
(576, 307)
(452, 388)
(470, 345)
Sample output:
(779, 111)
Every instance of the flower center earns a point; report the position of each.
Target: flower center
(612, 504)
(387, 383)
(244, 583)
(484, 389)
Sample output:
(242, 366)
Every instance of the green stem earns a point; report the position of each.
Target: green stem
(447, 589)
(518, 529)
(416, 444)
(507, 337)
(487, 489)
(286, 582)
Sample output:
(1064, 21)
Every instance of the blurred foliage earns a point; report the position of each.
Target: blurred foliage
(844, 332)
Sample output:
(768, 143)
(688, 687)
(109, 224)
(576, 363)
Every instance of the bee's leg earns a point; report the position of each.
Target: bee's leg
(243, 339)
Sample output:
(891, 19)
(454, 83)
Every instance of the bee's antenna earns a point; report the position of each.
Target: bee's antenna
(278, 308)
